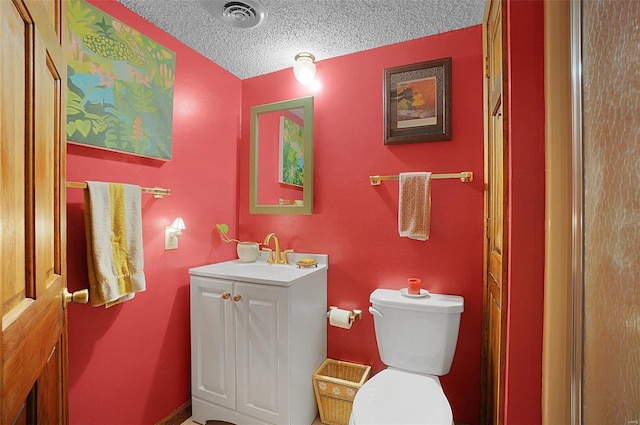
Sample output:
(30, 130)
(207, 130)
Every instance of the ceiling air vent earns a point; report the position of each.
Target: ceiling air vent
(240, 14)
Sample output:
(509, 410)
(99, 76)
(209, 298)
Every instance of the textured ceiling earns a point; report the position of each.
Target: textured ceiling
(325, 28)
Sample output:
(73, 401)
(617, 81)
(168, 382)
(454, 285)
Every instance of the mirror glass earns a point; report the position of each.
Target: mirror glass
(281, 165)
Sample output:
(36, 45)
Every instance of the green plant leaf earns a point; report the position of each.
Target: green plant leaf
(222, 228)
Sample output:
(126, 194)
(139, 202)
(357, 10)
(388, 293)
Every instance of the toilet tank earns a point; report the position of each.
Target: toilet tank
(417, 334)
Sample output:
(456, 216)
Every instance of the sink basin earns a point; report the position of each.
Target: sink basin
(262, 272)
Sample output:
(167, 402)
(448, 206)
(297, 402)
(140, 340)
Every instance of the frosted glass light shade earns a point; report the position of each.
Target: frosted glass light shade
(171, 233)
(304, 69)
(178, 225)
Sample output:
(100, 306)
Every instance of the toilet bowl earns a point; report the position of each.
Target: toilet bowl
(416, 339)
(397, 397)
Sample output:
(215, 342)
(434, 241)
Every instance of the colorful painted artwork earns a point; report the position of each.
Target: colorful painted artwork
(120, 85)
(417, 102)
(291, 153)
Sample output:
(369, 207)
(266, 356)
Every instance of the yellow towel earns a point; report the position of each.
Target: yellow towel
(414, 206)
(113, 222)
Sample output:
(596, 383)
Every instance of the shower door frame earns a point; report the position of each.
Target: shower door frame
(577, 207)
(562, 335)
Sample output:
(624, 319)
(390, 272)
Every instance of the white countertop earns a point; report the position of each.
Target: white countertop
(261, 272)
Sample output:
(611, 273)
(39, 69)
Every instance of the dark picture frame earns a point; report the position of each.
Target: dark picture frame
(417, 102)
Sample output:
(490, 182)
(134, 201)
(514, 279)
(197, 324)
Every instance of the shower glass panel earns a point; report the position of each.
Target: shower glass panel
(611, 147)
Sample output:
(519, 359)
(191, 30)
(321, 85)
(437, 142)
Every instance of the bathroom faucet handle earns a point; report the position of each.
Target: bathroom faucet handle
(271, 256)
(285, 256)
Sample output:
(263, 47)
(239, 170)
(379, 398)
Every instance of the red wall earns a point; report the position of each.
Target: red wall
(129, 364)
(525, 22)
(356, 223)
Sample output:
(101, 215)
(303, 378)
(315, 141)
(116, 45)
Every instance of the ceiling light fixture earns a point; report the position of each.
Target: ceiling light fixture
(305, 68)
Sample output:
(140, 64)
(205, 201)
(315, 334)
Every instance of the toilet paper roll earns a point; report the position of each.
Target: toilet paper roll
(340, 318)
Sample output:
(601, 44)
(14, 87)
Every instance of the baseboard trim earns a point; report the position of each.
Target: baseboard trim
(178, 416)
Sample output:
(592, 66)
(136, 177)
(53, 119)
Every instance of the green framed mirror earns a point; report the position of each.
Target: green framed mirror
(281, 163)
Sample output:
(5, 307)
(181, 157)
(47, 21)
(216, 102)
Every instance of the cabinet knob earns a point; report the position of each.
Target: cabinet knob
(225, 295)
(236, 297)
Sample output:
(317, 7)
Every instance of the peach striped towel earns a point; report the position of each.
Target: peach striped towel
(414, 206)
(113, 222)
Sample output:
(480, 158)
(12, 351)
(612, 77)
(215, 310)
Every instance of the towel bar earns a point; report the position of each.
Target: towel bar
(157, 192)
(464, 176)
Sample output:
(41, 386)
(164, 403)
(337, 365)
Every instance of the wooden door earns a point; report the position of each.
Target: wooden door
(496, 197)
(32, 211)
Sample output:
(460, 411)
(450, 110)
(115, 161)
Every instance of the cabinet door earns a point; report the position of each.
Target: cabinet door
(262, 352)
(213, 359)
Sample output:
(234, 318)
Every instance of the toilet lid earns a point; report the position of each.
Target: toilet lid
(397, 397)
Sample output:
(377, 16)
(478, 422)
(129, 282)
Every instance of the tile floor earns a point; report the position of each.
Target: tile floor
(190, 422)
(315, 422)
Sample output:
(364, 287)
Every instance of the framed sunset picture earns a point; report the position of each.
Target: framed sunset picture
(417, 102)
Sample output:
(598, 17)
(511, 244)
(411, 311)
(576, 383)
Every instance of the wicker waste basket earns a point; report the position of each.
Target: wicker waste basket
(336, 384)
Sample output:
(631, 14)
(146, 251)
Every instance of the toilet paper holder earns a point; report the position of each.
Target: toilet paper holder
(355, 314)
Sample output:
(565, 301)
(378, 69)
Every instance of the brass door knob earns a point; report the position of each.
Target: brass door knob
(236, 297)
(78, 297)
(225, 295)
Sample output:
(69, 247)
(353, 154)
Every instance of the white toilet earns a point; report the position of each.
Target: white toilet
(417, 338)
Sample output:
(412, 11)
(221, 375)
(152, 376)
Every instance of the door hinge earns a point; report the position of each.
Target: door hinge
(487, 228)
(486, 66)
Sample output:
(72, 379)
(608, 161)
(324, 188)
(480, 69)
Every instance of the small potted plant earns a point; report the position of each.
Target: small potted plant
(248, 252)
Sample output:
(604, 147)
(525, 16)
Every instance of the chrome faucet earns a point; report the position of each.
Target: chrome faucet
(275, 257)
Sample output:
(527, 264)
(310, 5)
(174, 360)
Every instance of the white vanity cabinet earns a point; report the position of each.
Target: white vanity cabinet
(258, 332)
